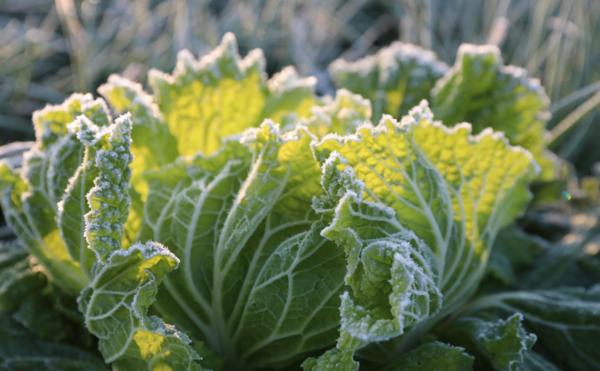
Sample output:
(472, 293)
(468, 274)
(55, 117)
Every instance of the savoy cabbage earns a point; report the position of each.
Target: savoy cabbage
(238, 222)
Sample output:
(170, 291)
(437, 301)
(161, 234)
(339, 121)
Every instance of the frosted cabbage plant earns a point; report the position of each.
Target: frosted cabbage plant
(231, 221)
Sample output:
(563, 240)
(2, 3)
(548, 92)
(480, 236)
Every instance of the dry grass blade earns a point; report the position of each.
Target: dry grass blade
(570, 122)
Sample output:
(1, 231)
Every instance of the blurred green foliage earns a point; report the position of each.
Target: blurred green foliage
(49, 49)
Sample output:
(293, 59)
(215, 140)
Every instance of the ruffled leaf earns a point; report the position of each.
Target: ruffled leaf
(453, 190)
(503, 344)
(566, 321)
(481, 90)
(153, 145)
(221, 94)
(109, 156)
(115, 306)
(394, 79)
(420, 206)
(125, 282)
(33, 198)
(391, 273)
(341, 115)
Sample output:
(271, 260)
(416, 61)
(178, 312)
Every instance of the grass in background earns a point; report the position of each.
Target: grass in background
(49, 49)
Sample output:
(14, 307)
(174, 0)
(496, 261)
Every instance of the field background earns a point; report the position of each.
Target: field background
(49, 49)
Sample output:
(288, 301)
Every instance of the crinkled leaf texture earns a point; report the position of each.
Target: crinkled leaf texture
(420, 206)
(478, 89)
(115, 306)
(481, 90)
(124, 281)
(221, 94)
(340, 115)
(36, 206)
(395, 79)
